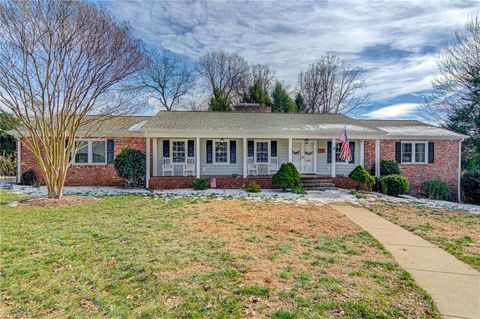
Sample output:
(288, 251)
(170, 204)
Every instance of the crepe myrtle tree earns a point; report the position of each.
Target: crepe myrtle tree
(59, 62)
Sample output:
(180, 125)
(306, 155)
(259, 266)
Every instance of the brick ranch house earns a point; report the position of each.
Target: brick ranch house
(237, 147)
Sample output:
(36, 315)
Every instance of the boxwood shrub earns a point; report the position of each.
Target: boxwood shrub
(130, 165)
(394, 185)
(361, 176)
(437, 190)
(387, 167)
(287, 176)
(253, 187)
(199, 184)
(471, 185)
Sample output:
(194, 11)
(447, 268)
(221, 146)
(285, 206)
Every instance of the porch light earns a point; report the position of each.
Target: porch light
(306, 141)
(221, 140)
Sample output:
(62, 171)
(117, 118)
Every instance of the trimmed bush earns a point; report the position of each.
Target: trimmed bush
(471, 186)
(394, 185)
(361, 176)
(7, 166)
(286, 177)
(387, 167)
(130, 165)
(29, 178)
(199, 184)
(253, 187)
(437, 190)
(299, 190)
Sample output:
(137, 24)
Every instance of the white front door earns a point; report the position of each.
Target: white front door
(303, 155)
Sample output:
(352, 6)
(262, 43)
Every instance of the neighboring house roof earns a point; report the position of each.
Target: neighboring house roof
(230, 124)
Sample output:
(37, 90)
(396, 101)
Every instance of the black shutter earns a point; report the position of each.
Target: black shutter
(233, 151)
(352, 151)
(166, 148)
(398, 152)
(250, 148)
(191, 148)
(431, 152)
(329, 151)
(110, 151)
(209, 152)
(273, 148)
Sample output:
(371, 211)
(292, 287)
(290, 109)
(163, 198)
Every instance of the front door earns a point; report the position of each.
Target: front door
(303, 155)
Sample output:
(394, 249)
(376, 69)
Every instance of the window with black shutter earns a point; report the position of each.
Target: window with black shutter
(191, 148)
(166, 148)
(110, 151)
(273, 148)
(329, 151)
(209, 151)
(250, 148)
(233, 151)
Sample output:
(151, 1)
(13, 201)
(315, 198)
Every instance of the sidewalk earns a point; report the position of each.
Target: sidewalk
(453, 285)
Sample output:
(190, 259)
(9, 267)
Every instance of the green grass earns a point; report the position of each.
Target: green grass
(133, 257)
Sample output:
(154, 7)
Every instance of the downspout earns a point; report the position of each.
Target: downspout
(19, 160)
(459, 174)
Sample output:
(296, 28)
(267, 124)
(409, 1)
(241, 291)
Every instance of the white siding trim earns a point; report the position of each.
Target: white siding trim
(197, 154)
(19, 160)
(377, 158)
(362, 153)
(334, 157)
(290, 158)
(245, 156)
(147, 178)
(154, 157)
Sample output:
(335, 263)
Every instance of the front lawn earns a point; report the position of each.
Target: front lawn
(455, 231)
(142, 257)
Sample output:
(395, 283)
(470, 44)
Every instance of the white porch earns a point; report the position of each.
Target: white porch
(244, 157)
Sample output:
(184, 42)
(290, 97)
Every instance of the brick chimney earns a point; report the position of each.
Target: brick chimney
(252, 108)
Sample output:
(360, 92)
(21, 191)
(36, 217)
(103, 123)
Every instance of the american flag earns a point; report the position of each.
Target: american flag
(345, 154)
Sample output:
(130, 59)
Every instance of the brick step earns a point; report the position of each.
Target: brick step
(305, 185)
(323, 188)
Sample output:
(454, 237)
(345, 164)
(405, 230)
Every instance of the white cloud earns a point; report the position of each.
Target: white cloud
(290, 35)
(394, 112)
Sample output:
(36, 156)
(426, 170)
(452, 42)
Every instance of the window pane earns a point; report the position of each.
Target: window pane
(82, 152)
(221, 152)
(337, 152)
(420, 153)
(407, 153)
(262, 152)
(178, 152)
(98, 152)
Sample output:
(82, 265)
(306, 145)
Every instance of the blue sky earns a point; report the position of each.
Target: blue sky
(394, 42)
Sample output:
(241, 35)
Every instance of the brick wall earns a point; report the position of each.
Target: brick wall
(87, 175)
(444, 168)
(223, 182)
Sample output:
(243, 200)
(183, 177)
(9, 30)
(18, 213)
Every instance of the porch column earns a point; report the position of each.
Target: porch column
(154, 157)
(377, 158)
(19, 161)
(197, 153)
(290, 150)
(147, 178)
(459, 172)
(334, 157)
(362, 153)
(245, 155)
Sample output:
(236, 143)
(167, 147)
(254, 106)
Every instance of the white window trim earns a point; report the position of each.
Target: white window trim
(413, 152)
(89, 152)
(268, 151)
(186, 151)
(214, 151)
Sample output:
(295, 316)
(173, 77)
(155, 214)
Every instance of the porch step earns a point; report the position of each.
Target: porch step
(315, 182)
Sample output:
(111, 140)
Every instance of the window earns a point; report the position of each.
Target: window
(178, 151)
(99, 152)
(221, 152)
(91, 152)
(262, 152)
(414, 152)
(82, 153)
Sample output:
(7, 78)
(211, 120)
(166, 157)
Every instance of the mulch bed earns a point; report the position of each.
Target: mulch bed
(53, 202)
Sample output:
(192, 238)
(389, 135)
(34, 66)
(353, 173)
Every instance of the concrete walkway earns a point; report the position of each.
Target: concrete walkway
(453, 285)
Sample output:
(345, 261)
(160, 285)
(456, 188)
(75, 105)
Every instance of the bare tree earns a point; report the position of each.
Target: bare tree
(225, 71)
(262, 74)
(59, 62)
(458, 81)
(167, 79)
(330, 86)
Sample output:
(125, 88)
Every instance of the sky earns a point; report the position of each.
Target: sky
(394, 43)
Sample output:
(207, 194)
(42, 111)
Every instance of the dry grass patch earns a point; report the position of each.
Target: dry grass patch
(143, 257)
(455, 231)
(54, 202)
